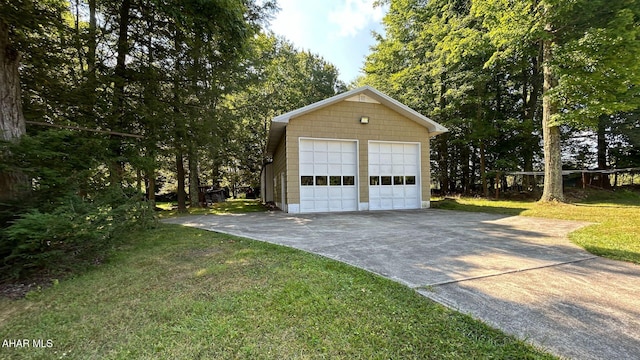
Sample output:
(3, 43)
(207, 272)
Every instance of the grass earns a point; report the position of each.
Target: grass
(181, 293)
(231, 206)
(616, 217)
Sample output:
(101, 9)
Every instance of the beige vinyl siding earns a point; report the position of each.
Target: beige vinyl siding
(279, 166)
(342, 121)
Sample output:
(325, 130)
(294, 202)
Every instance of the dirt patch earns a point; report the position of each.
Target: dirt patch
(18, 289)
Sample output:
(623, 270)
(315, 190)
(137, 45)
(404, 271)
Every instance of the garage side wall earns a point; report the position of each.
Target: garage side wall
(342, 121)
(279, 168)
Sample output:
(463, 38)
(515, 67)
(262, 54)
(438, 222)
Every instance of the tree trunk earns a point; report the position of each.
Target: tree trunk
(602, 151)
(530, 105)
(443, 151)
(443, 162)
(91, 57)
(193, 180)
(12, 122)
(12, 125)
(483, 170)
(182, 196)
(151, 187)
(550, 132)
(117, 165)
(465, 169)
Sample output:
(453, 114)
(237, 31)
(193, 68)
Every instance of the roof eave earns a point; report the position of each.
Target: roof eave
(279, 123)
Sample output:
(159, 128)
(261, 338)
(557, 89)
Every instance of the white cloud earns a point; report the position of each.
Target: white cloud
(354, 16)
(338, 30)
(290, 21)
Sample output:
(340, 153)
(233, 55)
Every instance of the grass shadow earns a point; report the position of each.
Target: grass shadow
(233, 206)
(490, 208)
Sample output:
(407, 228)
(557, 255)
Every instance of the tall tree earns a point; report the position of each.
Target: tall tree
(281, 78)
(20, 23)
(432, 58)
(12, 124)
(588, 50)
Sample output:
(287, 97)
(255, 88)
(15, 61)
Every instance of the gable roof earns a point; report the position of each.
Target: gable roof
(279, 123)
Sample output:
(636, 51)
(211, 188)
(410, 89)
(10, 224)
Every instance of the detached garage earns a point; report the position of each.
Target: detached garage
(359, 150)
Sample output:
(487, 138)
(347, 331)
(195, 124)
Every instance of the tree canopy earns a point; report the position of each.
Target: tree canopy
(166, 93)
(506, 76)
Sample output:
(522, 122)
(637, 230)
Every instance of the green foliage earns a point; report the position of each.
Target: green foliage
(595, 46)
(476, 67)
(282, 79)
(437, 58)
(58, 162)
(70, 215)
(156, 68)
(73, 235)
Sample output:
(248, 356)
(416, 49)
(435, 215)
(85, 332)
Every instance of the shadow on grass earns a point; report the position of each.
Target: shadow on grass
(615, 254)
(453, 204)
(609, 198)
(235, 206)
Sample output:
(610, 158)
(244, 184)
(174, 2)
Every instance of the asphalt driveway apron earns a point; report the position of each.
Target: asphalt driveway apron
(519, 274)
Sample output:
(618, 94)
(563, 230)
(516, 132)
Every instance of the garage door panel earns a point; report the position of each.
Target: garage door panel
(335, 192)
(306, 169)
(348, 170)
(401, 163)
(333, 167)
(307, 193)
(411, 170)
(349, 158)
(321, 192)
(386, 203)
(306, 156)
(411, 191)
(374, 157)
(321, 205)
(408, 158)
(335, 204)
(410, 149)
(386, 169)
(320, 146)
(334, 146)
(335, 158)
(306, 146)
(349, 192)
(320, 169)
(321, 157)
(386, 191)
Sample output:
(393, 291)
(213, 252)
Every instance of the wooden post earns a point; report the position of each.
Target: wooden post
(497, 185)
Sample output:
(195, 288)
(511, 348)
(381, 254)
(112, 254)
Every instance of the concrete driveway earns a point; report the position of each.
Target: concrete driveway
(518, 274)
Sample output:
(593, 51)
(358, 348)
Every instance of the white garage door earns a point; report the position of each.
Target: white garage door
(328, 175)
(394, 175)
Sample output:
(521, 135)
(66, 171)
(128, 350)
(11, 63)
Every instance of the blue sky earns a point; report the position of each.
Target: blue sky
(337, 30)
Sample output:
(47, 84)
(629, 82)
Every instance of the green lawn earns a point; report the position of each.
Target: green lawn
(616, 217)
(181, 293)
(230, 206)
